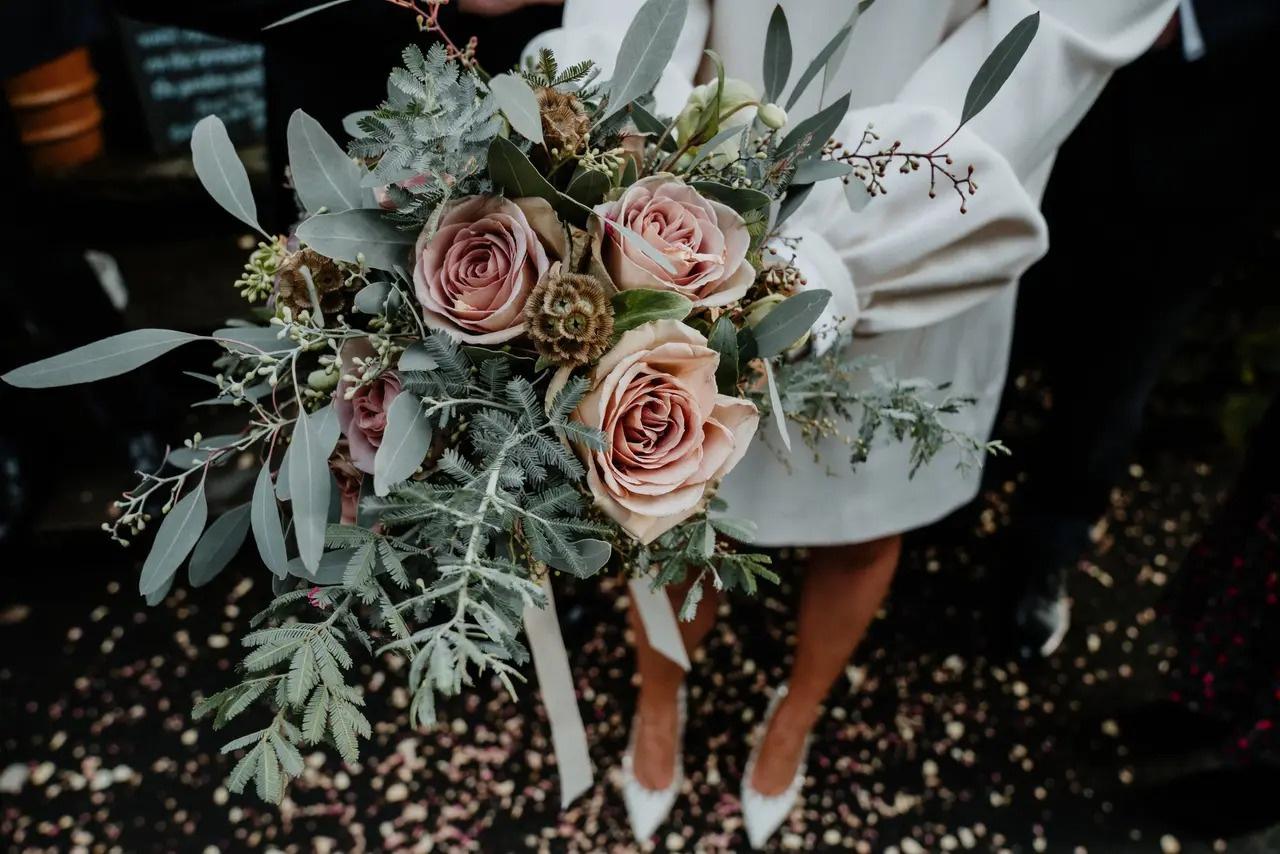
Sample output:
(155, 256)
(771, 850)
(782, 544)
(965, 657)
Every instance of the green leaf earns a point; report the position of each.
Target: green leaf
(375, 298)
(588, 186)
(405, 443)
(807, 138)
(791, 201)
(416, 358)
(253, 339)
(709, 147)
(323, 175)
(788, 323)
(741, 199)
(218, 545)
(222, 173)
(511, 170)
(837, 56)
(818, 64)
(647, 122)
(589, 557)
(998, 66)
(724, 340)
(775, 404)
(518, 103)
(332, 567)
(856, 194)
(177, 536)
(309, 485)
(106, 358)
(777, 55)
(638, 306)
(345, 236)
(265, 521)
(815, 170)
(185, 458)
(646, 49)
(650, 251)
(299, 15)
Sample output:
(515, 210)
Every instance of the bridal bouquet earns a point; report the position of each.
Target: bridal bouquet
(525, 325)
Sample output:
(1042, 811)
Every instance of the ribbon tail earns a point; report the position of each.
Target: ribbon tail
(551, 662)
(659, 620)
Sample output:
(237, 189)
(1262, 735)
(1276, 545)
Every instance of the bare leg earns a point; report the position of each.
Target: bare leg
(843, 589)
(660, 680)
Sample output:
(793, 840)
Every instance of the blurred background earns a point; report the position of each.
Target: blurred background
(1085, 659)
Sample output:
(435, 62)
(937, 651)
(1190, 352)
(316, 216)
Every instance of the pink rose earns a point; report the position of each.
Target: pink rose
(704, 240)
(671, 436)
(362, 418)
(475, 272)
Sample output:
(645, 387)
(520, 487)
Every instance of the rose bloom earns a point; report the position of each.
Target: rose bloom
(363, 418)
(473, 275)
(671, 436)
(704, 240)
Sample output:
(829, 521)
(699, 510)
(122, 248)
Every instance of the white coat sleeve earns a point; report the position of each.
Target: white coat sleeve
(593, 29)
(907, 260)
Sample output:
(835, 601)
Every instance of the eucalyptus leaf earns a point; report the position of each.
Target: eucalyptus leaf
(185, 458)
(645, 51)
(998, 66)
(330, 570)
(777, 55)
(178, 534)
(309, 486)
(791, 201)
(590, 556)
(346, 235)
(856, 194)
(647, 122)
(221, 172)
(788, 323)
(814, 170)
(219, 545)
(106, 358)
(405, 443)
(518, 103)
(837, 56)
(511, 170)
(323, 174)
(588, 186)
(638, 306)
(818, 64)
(808, 137)
(155, 597)
(650, 251)
(375, 298)
(724, 340)
(351, 121)
(709, 147)
(267, 530)
(741, 199)
(416, 358)
(775, 404)
(253, 339)
(297, 16)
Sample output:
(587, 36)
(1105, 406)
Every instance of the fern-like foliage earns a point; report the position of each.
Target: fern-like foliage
(435, 123)
(444, 579)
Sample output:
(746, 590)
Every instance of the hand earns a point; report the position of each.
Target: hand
(493, 8)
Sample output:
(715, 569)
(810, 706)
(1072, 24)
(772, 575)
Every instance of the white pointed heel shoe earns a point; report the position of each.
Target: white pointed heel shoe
(762, 814)
(648, 808)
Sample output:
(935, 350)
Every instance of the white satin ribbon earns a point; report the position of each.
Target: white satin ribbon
(659, 621)
(551, 662)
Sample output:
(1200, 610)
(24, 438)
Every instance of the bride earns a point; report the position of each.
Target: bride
(926, 289)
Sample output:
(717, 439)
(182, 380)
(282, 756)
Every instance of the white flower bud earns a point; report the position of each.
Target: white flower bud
(772, 116)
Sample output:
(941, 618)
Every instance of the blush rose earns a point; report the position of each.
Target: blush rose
(705, 241)
(362, 417)
(671, 436)
(474, 273)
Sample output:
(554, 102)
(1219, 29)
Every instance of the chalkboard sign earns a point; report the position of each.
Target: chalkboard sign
(183, 76)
